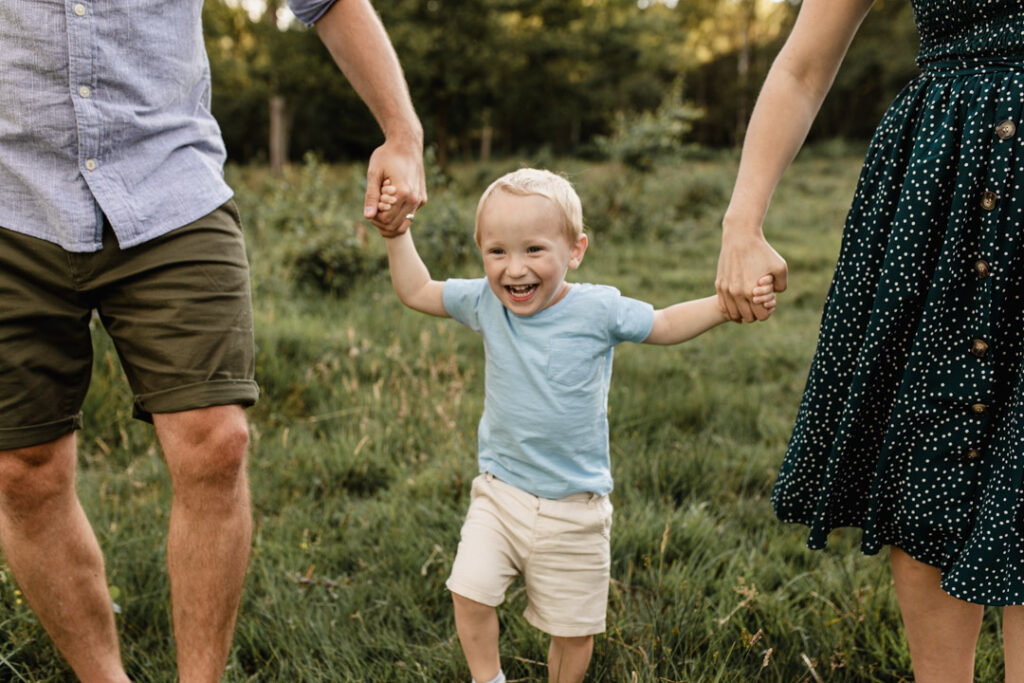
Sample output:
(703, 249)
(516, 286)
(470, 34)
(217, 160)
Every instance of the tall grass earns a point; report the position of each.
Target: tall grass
(363, 448)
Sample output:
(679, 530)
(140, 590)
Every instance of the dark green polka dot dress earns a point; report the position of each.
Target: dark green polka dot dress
(912, 423)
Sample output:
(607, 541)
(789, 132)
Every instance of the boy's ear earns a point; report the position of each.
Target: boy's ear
(577, 251)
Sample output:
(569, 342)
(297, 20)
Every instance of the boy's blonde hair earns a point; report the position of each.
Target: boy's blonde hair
(536, 181)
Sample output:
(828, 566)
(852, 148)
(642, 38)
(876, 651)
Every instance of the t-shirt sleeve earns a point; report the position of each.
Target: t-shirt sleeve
(462, 300)
(631, 320)
(309, 11)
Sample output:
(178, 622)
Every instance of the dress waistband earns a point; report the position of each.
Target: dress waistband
(968, 66)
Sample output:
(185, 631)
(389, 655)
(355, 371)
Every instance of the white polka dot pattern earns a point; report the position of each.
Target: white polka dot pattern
(912, 422)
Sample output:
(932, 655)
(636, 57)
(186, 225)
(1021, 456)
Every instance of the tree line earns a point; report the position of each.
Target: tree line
(507, 76)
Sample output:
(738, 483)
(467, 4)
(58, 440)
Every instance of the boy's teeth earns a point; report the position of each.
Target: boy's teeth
(520, 289)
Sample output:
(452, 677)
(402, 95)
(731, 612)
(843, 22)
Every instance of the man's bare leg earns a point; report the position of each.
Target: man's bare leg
(55, 558)
(210, 533)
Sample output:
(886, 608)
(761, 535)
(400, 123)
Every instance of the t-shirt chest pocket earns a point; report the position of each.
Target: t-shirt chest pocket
(574, 360)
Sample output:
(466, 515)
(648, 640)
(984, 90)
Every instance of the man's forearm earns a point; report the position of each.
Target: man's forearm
(362, 50)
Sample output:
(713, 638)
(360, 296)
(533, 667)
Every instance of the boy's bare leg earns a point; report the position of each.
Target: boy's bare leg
(477, 626)
(568, 658)
(1013, 642)
(55, 558)
(210, 533)
(942, 631)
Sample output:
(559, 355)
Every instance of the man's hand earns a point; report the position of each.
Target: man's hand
(399, 164)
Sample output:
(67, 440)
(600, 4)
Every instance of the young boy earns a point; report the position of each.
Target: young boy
(540, 506)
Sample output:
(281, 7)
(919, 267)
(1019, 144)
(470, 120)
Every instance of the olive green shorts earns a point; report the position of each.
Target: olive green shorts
(177, 307)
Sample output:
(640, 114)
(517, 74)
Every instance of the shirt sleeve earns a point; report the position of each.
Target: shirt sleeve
(631, 320)
(309, 11)
(462, 300)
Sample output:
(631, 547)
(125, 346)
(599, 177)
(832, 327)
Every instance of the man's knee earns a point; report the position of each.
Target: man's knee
(32, 476)
(205, 447)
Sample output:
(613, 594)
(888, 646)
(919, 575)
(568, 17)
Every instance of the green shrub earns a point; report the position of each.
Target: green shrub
(335, 264)
(641, 140)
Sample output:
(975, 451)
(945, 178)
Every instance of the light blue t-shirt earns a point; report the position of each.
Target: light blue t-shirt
(545, 423)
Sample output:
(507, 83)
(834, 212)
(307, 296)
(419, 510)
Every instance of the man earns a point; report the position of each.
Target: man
(112, 199)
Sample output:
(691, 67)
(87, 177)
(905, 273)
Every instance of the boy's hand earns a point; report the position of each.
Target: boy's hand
(385, 205)
(764, 293)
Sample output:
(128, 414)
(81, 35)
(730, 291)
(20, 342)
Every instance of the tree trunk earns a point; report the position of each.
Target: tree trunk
(486, 137)
(441, 130)
(748, 17)
(279, 125)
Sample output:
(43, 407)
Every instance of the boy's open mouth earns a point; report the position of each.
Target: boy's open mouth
(521, 292)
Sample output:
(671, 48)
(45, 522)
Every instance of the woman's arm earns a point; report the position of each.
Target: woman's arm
(791, 96)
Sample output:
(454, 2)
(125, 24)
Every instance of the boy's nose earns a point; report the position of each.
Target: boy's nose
(516, 266)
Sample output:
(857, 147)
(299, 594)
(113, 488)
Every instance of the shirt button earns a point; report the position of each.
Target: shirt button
(972, 454)
(982, 269)
(79, 10)
(979, 409)
(83, 90)
(988, 200)
(1006, 130)
(90, 164)
(979, 348)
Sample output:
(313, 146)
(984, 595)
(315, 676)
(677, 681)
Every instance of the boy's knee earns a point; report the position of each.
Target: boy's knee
(572, 642)
(461, 602)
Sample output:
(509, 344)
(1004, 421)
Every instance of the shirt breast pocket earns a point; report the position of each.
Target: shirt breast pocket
(573, 361)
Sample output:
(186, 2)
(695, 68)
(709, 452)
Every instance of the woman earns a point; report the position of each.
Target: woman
(912, 422)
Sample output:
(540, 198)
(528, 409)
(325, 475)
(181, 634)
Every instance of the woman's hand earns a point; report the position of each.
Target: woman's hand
(742, 262)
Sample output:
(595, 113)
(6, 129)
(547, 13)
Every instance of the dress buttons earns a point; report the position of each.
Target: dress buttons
(979, 409)
(79, 11)
(1006, 130)
(982, 269)
(83, 91)
(988, 200)
(979, 348)
(90, 164)
(972, 454)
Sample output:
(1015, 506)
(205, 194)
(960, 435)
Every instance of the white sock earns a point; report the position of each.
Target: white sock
(500, 678)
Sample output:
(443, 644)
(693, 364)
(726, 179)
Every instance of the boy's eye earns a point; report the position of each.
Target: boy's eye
(534, 250)
(496, 251)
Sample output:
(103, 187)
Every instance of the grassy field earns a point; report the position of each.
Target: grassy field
(363, 448)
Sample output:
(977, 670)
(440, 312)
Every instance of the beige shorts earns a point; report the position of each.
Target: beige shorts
(560, 547)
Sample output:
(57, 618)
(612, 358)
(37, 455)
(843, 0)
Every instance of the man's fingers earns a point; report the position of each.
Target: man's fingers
(781, 279)
(746, 311)
(728, 306)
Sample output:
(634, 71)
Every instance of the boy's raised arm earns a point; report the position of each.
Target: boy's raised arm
(679, 322)
(686, 320)
(411, 279)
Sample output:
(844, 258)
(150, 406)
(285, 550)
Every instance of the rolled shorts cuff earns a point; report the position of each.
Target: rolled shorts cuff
(33, 435)
(465, 591)
(244, 392)
(575, 630)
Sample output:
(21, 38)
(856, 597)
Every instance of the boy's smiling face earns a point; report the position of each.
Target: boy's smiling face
(526, 252)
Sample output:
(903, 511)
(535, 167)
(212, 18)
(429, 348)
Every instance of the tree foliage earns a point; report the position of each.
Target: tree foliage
(525, 74)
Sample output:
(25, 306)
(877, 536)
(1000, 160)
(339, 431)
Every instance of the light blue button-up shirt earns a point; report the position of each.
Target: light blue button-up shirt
(105, 110)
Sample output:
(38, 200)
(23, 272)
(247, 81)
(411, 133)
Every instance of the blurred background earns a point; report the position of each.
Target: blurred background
(500, 77)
